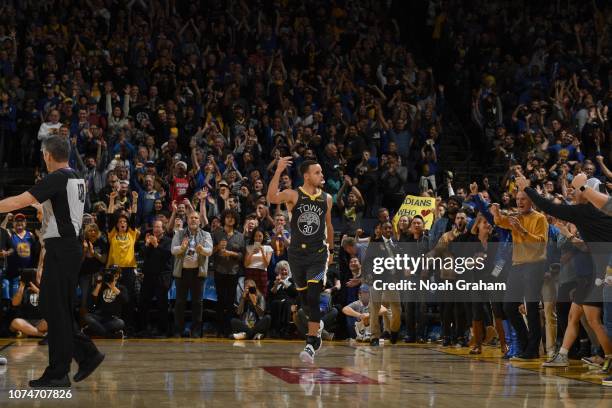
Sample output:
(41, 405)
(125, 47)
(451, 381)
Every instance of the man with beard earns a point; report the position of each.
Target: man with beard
(445, 223)
(93, 174)
(415, 307)
(386, 245)
(312, 237)
(454, 312)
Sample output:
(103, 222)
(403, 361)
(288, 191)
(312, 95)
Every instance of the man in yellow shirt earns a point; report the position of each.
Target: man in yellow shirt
(529, 230)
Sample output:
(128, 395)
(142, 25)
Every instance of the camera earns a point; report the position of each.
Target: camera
(602, 188)
(252, 290)
(108, 275)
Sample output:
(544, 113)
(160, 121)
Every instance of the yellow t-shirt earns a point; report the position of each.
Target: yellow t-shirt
(121, 249)
(530, 247)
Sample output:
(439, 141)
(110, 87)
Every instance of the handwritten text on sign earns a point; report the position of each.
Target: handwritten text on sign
(414, 205)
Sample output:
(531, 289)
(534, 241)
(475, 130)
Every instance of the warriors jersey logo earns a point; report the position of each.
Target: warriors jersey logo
(23, 250)
(308, 223)
(141, 117)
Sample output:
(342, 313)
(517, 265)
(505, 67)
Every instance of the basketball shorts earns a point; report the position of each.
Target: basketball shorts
(308, 264)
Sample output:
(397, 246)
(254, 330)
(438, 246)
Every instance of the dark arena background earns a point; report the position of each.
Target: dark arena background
(434, 122)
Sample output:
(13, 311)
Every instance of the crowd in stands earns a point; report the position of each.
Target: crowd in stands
(177, 113)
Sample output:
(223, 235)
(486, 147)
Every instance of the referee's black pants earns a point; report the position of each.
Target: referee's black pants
(57, 294)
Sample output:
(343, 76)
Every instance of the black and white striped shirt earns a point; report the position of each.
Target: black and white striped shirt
(62, 195)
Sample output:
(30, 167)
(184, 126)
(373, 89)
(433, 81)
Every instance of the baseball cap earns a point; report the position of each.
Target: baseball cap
(223, 183)
(19, 217)
(364, 288)
(181, 163)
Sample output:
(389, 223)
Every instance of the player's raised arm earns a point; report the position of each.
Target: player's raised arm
(286, 196)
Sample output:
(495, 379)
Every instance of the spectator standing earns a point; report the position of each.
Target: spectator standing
(157, 270)
(191, 248)
(256, 261)
(529, 236)
(228, 259)
(122, 240)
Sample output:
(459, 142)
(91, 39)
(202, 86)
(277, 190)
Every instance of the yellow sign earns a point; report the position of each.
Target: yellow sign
(414, 205)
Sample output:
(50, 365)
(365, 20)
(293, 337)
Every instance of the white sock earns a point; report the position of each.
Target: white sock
(563, 351)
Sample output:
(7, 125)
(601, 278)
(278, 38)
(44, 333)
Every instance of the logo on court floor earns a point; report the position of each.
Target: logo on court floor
(322, 375)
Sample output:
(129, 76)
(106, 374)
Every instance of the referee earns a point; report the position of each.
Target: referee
(62, 194)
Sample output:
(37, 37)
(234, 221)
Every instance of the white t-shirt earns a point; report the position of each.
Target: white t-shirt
(257, 258)
(44, 132)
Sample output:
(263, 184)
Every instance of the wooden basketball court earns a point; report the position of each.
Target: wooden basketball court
(215, 373)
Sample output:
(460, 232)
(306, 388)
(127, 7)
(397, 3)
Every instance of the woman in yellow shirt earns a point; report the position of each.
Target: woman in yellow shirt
(121, 241)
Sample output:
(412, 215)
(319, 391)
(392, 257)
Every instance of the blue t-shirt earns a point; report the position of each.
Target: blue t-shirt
(23, 256)
(565, 152)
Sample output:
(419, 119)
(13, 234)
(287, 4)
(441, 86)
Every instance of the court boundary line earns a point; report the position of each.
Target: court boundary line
(12, 343)
(487, 360)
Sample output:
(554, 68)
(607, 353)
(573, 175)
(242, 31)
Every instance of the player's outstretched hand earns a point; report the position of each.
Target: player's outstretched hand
(283, 163)
(579, 180)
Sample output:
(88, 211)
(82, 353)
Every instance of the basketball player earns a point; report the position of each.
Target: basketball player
(312, 240)
(62, 194)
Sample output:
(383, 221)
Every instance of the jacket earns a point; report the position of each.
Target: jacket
(202, 238)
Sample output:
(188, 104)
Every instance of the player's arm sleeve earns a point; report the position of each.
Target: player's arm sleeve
(48, 187)
(561, 211)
